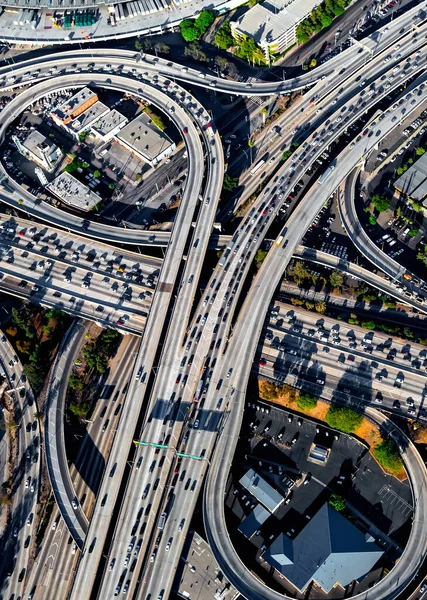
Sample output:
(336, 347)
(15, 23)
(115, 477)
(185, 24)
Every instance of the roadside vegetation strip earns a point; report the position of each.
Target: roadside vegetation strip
(385, 452)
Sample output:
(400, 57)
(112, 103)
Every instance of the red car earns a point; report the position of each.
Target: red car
(185, 130)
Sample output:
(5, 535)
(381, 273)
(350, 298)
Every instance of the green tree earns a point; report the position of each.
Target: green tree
(260, 256)
(300, 273)
(221, 62)
(400, 170)
(387, 454)
(35, 375)
(368, 324)
(320, 307)
(286, 154)
(138, 45)
(413, 233)
(80, 410)
(195, 51)
(76, 382)
(230, 183)
(353, 320)
(337, 502)
(189, 32)
(407, 332)
(83, 135)
(313, 63)
(336, 279)
(204, 20)
(420, 151)
(381, 204)
(248, 50)
(344, 419)
(223, 37)
(372, 219)
(96, 174)
(306, 401)
(251, 143)
(162, 48)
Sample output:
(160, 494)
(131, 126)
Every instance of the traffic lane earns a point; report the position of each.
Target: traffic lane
(247, 334)
(56, 241)
(327, 331)
(54, 270)
(156, 97)
(314, 375)
(109, 317)
(377, 281)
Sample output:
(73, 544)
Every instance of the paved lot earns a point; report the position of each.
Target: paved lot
(379, 502)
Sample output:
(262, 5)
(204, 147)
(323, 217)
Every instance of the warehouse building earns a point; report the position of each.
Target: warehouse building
(413, 183)
(108, 125)
(329, 551)
(71, 191)
(273, 24)
(261, 490)
(74, 106)
(86, 119)
(39, 149)
(145, 140)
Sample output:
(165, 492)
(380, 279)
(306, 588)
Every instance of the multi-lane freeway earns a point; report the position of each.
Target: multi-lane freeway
(194, 398)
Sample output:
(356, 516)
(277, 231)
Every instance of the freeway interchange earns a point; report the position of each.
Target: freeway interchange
(184, 441)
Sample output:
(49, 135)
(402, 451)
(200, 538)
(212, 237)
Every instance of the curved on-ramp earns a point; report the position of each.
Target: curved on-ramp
(56, 458)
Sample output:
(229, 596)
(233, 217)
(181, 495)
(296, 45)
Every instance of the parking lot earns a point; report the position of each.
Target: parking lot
(276, 443)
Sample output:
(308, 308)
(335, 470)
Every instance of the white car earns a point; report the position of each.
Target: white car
(27, 483)
(74, 504)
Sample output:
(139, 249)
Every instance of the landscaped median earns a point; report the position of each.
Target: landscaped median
(341, 418)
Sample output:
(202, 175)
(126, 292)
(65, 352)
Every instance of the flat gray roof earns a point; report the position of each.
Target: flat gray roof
(108, 122)
(263, 491)
(413, 182)
(86, 118)
(71, 191)
(253, 521)
(35, 142)
(67, 108)
(144, 137)
(266, 22)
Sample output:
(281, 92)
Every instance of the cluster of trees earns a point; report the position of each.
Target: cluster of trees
(230, 183)
(248, 50)
(320, 17)
(97, 353)
(76, 163)
(195, 52)
(260, 256)
(343, 418)
(193, 29)
(272, 391)
(422, 254)
(388, 456)
(223, 37)
(419, 152)
(35, 334)
(302, 275)
(380, 203)
(404, 332)
(147, 44)
(306, 401)
(319, 307)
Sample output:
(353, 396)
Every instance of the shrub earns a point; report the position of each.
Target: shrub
(306, 402)
(337, 502)
(387, 454)
(344, 419)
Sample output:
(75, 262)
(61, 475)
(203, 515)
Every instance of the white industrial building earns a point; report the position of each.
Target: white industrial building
(145, 140)
(108, 125)
(71, 191)
(273, 23)
(39, 149)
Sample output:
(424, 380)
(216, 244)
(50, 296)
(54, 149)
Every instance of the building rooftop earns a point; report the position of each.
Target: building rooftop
(144, 137)
(71, 191)
(268, 21)
(263, 492)
(36, 143)
(86, 118)
(413, 183)
(108, 122)
(329, 550)
(74, 105)
(253, 521)
(201, 578)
